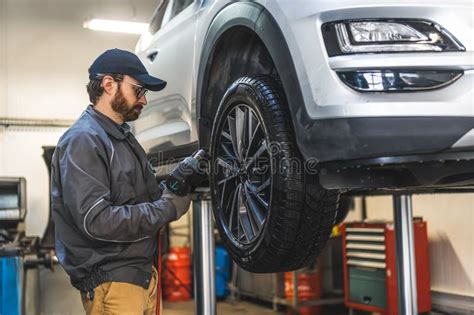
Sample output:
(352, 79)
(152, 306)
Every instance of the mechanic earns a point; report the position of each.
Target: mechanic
(107, 205)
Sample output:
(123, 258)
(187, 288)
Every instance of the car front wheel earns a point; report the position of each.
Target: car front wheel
(269, 208)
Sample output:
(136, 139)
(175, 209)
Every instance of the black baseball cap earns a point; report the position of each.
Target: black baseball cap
(118, 61)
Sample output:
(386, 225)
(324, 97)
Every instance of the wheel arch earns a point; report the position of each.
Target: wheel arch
(257, 46)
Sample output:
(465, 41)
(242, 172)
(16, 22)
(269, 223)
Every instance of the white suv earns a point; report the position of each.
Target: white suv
(299, 100)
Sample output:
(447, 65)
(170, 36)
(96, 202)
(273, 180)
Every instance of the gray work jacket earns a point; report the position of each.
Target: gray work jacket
(106, 204)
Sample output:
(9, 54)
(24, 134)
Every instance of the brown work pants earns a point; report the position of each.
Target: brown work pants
(122, 298)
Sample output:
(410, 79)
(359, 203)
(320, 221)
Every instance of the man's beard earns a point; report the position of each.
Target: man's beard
(120, 106)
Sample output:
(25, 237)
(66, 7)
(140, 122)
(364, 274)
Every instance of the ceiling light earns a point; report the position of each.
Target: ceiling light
(116, 26)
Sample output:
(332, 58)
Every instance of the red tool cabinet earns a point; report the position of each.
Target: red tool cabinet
(370, 276)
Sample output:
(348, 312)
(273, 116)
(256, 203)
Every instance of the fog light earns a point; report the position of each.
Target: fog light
(398, 80)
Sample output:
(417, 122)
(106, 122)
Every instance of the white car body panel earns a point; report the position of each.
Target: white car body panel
(181, 41)
(174, 63)
(331, 98)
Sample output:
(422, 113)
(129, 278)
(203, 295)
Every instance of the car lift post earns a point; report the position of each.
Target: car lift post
(203, 252)
(406, 272)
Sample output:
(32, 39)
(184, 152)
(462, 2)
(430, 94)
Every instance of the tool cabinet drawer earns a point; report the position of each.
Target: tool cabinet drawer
(367, 286)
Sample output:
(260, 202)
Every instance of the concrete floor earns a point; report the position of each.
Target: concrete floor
(57, 296)
(223, 308)
(245, 308)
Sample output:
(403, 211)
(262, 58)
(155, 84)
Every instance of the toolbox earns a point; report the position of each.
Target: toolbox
(370, 275)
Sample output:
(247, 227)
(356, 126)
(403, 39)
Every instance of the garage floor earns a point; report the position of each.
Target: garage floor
(247, 308)
(223, 308)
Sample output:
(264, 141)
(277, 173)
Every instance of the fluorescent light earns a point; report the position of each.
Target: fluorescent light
(116, 26)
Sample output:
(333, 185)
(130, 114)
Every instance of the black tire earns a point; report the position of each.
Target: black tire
(300, 214)
(346, 203)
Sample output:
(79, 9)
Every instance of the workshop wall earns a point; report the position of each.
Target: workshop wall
(3, 59)
(23, 158)
(180, 231)
(44, 56)
(2, 137)
(46, 52)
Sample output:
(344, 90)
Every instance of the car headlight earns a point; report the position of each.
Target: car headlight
(377, 36)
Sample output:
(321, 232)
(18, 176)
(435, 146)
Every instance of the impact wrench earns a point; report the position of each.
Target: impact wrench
(180, 180)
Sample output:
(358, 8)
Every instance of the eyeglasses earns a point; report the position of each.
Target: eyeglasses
(140, 91)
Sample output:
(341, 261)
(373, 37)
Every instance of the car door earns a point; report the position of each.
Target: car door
(167, 52)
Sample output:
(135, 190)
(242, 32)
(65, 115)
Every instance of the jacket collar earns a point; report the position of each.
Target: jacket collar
(117, 131)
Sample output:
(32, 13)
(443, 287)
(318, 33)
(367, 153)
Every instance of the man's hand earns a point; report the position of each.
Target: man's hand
(187, 174)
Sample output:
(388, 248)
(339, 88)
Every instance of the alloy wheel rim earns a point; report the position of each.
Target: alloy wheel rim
(243, 174)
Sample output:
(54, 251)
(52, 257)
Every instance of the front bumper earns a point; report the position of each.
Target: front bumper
(344, 139)
(390, 153)
(447, 172)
